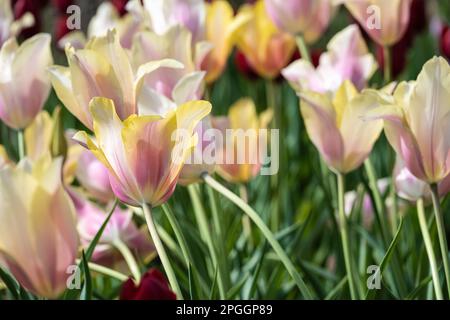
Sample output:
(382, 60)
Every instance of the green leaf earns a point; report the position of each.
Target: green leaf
(11, 284)
(336, 290)
(86, 293)
(234, 291)
(386, 259)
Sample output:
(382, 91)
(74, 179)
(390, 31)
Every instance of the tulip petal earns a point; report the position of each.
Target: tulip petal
(320, 121)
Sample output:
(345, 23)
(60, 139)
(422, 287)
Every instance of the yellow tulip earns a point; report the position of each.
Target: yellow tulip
(336, 126)
(267, 49)
(384, 20)
(144, 154)
(24, 82)
(38, 235)
(242, 117)
(221, 26)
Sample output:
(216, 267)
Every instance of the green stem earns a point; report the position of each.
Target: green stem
(303, 48)
(105, 271)
(441, 233)
(265, 231)
(203, 225)
(161, 251)
(218, 224)
(21, 144)
(274, 179)
(387, 65)
(343, 227)
(429, 249)
(129, 259)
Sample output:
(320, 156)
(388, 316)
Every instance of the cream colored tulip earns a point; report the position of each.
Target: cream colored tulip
(336, 126)
(102, 69)
(38, 235)
(417, 122)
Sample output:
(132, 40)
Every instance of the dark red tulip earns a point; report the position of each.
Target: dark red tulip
(61, 28)
(120, 5)
(243, 66)
(62, 5)
(153, 286)
(34, 7)
(445, 41)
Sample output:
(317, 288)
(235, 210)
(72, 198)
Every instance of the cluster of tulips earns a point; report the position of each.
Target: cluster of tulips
(123, 200)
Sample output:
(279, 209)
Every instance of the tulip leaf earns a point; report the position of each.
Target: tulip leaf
(86, 293)
(11, 284)
(387, 257)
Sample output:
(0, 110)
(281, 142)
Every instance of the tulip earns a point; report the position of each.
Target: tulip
(144, 162)
(165, 14)
(120, 228)
(153, 286)
(242, 116)
(176, 84)
(24, 71)
(38, 136)
(416, 123)
(384, 20)
(347, 58)
(102, 69)
(221, 26)
(408, 187)
(417, 127)
(266, 48)
(108, 17)
(93, 176)
(38, 236)
(307, 17)
(8, 27)
(336, 127)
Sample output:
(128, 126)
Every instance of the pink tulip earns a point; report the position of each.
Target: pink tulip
(309, 17)
(412, 189)
(120, 228)
(384, 20)
(24, 82)
(347, 58)
(93, 176)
